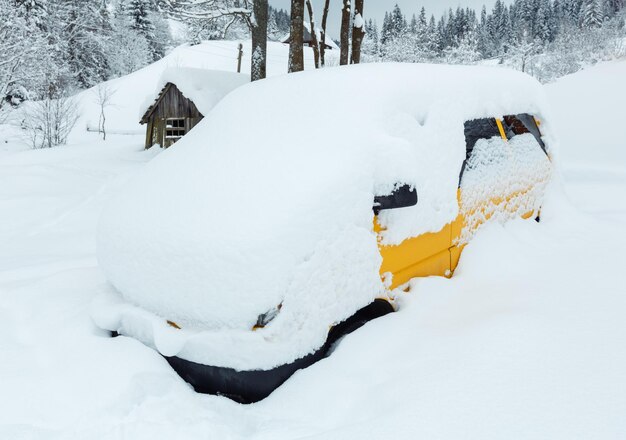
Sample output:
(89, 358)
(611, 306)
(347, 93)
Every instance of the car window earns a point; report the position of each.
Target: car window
(475, 130)
(484, 128)
(523, 123)
(502, 180)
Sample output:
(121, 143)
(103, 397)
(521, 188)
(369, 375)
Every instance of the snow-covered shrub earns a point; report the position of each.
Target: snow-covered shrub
(50, 121)
(466, 52)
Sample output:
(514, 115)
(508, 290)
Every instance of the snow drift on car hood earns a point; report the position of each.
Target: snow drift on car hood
(268, 200)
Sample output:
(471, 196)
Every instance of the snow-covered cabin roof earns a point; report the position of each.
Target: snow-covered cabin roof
(330, 44)
(204, 87)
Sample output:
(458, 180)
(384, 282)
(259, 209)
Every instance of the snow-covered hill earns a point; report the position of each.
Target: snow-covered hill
(591, 108)
(131, 92)
(527, 341)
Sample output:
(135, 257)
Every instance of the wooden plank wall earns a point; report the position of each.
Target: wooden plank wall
(172, 105)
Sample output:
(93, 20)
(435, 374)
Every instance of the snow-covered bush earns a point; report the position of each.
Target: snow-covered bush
(49, 122)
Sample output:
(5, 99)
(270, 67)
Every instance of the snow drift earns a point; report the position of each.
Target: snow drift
(140, 88)
(268, 202)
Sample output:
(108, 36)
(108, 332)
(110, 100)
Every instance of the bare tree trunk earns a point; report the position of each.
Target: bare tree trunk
(316, 46)
(323, 42)
(358, 32)
(296, 51)
(345, 33)
(104, 131)
(104, 98)
(259, 40)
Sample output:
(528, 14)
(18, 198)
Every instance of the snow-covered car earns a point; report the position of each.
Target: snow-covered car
(302, 205)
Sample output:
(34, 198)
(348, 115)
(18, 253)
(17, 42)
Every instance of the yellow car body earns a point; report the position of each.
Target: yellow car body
(438, 253)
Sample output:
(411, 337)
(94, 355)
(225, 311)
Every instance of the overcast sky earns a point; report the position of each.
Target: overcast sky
(375, 9)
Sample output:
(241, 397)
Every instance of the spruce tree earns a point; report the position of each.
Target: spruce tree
(139, 12)
(386, 30)
(592, 14)
(544, 22)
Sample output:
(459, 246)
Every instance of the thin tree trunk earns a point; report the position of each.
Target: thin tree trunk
(323, 42)
(358, 32)
(296, 51)
(316, 47)
(345, 33)
(104, 120)
(259, 40)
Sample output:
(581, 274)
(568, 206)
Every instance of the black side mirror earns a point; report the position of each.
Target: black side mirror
(401, 197)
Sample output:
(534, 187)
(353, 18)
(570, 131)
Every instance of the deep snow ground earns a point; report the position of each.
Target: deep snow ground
(527, 341)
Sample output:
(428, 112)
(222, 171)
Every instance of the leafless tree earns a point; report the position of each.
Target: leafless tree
(50, 121)
(323, 33)
(296, 51)
(358, 32)
(345, 33)
(253, 13)
(232, 10)
(314, 42)
(104, 98)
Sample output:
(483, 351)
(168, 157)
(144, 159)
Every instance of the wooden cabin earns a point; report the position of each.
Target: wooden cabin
(170, 117)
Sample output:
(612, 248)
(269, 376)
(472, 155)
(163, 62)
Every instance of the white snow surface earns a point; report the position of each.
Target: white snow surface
(204, 87)
(231, 223)
(358, 21)
(527, 341)
(132, 94)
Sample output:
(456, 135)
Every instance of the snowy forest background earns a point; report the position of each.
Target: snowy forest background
(53, 48)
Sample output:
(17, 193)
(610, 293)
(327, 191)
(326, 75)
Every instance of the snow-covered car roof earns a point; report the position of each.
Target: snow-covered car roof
(268, 201)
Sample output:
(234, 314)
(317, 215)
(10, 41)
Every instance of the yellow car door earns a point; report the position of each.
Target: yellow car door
(503, 175)
(424, 255)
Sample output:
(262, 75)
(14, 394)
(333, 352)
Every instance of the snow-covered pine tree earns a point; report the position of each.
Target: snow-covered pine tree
(544, 22)
(500, 28)
(128, 50)
(572, 10)
(461, 24)
(592, 14)
(385, 34)
(482, 34)
(450, 33)
(371, 41)
(424, 46)
(87, 36)
(20, 44)
(559, 17)
(413, 25)
(141, 17)
(398, 22)
(274, 33)
(433, 38)
(278, 25)
(162, 39)
(466, 52)
(104, 17)
(614, 6)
